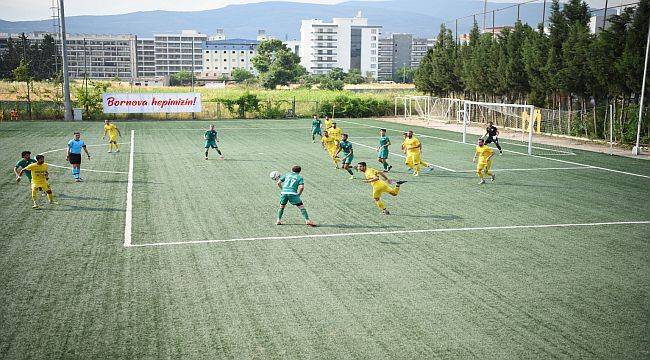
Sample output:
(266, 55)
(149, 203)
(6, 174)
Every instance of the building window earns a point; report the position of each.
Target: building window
(373, 52)
(373, 31)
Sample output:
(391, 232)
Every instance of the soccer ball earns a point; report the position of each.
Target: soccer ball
(274, 175)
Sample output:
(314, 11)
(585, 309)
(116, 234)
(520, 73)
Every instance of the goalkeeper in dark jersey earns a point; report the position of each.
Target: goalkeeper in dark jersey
(492, 134)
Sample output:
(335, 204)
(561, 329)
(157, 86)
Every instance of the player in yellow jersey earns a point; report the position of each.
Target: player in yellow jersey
(331, 145)
(379, 182)
(484, 154)
(413, 149)
(40, 176)
(328, 123)
(336, 132)
(112, 131)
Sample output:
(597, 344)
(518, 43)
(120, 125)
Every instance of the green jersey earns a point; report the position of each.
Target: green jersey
(383, 142)
(346, 146)
(22, 163)
(211, 135)
(290, 183)
(315, 123)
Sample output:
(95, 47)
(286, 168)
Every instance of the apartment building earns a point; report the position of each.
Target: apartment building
(221, 57)
(399, 51)
(346, 43)
(179, 52)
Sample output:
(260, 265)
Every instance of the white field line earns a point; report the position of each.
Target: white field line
(515, 152)
(422, 231)
(559, 152)
(402, 156)
(63, 149)
(129, 196)
(533, 169)
(89, 170)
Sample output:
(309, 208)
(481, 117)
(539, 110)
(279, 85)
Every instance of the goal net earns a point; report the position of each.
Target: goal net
(522, 128)
(429, 108)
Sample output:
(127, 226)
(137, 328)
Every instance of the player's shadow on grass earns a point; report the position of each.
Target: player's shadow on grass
(67, 207)
(72, 197)
(347, 226)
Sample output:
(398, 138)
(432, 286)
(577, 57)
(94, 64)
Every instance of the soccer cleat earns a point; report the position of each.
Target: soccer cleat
(417, 173)
(110, 151)
(385, 212)
(77, 180)
(313, 141)
(430, 168)
(35, 206)
(206, 158)
(500, 152)
(118, 150)
(481, 182)
(389, 167)
(492, 176)
(310, 223)
(279, 222)
(351, 177)
(221, 157)
(400, 182)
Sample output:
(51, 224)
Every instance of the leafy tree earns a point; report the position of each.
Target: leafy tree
(276, 64)
(354, 77)
(534, 50)
(22, 74)
(331, 84)
(404, 75)
(576, 11)
(336, 74)
(181, 78)
(91, 100)
(244, 104)
(422, 78)
(240, 75)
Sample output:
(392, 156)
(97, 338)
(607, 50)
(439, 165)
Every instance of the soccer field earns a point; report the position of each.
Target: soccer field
(161, 254)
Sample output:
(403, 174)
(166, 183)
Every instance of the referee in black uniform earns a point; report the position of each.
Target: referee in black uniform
(492, 134)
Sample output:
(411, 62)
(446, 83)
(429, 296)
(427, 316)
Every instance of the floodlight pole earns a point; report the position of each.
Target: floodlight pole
(637, 148)
(64, 59)
(611, 129)
(192, 73)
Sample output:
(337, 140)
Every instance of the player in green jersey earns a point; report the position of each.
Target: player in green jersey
(23, 163)
(210, 137)
(316, 128)
(382, 150)
(292, 185)
(345, 147)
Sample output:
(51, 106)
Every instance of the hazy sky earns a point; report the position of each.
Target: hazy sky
(40, 9)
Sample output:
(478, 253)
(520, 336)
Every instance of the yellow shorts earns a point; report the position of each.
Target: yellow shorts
(413, 158)
(112, 138)
(380, 187)
(42, 186)
(484, 166)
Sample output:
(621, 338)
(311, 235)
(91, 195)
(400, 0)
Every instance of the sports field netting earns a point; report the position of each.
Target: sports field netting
(550, 260)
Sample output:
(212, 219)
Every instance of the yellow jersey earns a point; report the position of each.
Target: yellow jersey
(336, 133)
(111, 130)
(483, 153)
(412, 142)
(328, 124)
(371, 173)
(39, 173)
(329, 142)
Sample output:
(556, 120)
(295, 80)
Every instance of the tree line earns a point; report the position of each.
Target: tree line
(39, 57)
(565, 68)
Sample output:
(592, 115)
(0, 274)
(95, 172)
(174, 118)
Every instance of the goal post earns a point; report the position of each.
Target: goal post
(429, 108)
(516, 121)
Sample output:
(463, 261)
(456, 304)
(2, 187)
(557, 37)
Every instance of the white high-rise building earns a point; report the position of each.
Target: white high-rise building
(177, 52)
(346, 43)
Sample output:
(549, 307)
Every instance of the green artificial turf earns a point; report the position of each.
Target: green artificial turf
(71, 290)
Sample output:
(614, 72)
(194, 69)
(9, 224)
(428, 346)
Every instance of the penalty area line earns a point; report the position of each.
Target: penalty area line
(129, 196)
(422, 231)
(511, 151)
